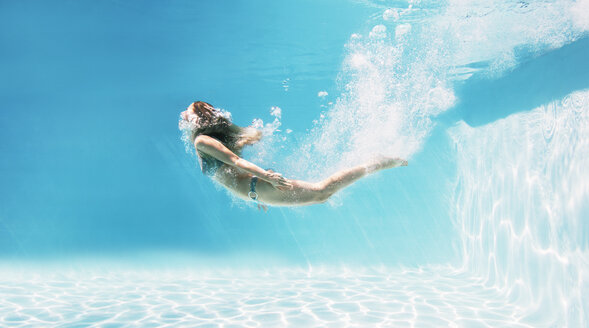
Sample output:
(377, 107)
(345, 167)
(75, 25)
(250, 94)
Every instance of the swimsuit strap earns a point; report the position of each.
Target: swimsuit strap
(253, 194)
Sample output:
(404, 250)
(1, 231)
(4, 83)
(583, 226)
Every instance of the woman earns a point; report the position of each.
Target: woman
(218, 144)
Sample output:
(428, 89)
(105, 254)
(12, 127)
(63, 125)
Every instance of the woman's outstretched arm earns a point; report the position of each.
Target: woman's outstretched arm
(215, 148)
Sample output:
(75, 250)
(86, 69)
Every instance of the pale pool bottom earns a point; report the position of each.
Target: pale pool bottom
(263, 298)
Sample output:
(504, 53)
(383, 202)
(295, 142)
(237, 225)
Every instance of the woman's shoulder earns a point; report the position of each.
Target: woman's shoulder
(204, 141)
(203, 138)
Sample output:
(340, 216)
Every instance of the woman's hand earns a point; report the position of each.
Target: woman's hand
(249, 136)
(278, 181)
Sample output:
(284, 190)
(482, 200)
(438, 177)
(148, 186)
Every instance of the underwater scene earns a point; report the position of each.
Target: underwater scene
(107, 220)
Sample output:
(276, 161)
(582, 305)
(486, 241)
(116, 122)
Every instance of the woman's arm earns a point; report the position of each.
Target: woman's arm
(215, 148)
(247, 135)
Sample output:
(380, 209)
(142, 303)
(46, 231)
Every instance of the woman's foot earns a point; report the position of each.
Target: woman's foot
(383, 162)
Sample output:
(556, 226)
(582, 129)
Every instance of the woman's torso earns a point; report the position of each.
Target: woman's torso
(238, 182)
(230, 177)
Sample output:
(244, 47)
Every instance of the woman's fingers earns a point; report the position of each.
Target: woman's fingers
(285, 185)
(280, 182)
(277, 176)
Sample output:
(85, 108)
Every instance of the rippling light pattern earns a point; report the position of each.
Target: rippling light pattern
(522, 206)
(521, 202)
(437, 297)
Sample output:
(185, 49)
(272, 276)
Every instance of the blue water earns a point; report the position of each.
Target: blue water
(106, 220)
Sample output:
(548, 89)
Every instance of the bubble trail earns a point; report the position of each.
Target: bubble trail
(402, 71)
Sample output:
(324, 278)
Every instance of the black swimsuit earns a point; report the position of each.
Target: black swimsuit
(209, 164)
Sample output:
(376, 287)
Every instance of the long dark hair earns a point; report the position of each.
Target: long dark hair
(217, 124)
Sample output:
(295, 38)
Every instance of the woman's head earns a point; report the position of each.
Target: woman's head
(202, 115)
(202, 118)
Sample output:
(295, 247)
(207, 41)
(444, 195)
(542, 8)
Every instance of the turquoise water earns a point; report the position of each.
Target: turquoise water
(105, 219)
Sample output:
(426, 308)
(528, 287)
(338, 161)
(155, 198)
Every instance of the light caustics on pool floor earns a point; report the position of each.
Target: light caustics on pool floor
(438, 297)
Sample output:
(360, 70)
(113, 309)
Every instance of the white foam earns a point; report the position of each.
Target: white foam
(402, 30)
(390, 14)
(264, 151)
(580, 13)
(391, 88)
(378, 32)
(276, 112)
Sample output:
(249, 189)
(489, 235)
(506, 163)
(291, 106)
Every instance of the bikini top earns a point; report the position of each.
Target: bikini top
(209, 164)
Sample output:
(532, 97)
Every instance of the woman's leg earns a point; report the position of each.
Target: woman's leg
(304, 193)
(346, 177)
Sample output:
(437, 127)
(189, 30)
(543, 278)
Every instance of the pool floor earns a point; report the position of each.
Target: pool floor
(435, 297)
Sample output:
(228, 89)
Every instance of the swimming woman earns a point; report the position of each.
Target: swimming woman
(218, 144)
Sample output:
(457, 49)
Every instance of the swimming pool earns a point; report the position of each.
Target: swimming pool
(106, 220)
